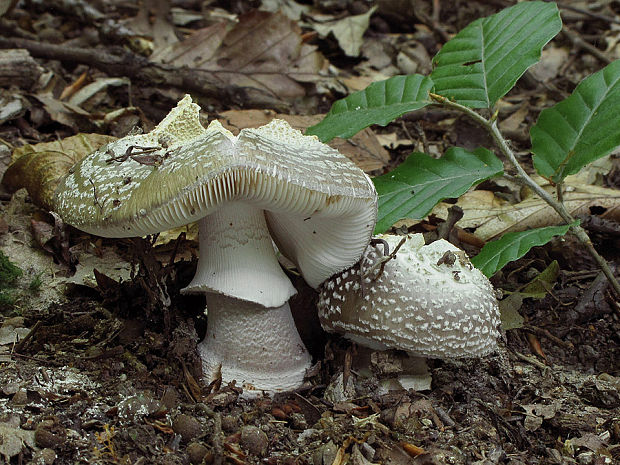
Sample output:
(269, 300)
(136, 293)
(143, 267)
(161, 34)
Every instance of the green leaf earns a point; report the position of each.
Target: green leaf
(482, 62)
(542, 284)
(512, 246)
(420, 182)
(580, 129)
(380, 103)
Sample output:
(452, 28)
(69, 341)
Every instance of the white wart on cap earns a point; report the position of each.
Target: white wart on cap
(269, 183)
(429, 300)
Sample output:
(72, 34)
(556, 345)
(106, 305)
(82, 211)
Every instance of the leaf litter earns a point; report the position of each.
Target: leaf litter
(88, 375)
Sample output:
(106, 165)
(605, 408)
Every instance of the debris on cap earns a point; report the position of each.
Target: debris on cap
(429, 300)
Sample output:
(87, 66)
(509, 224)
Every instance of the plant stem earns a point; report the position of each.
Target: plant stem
(491, 127)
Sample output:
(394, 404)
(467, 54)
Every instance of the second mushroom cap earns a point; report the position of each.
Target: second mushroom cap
(429, 301)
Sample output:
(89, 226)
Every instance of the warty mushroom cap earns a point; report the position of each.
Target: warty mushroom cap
(429, 300)
(320, 208)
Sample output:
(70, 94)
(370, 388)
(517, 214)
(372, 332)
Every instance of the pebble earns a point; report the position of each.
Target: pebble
(229, 423)
(254, 440)
(46, 439)
(187, 426)
(44, 457)
(196, 452)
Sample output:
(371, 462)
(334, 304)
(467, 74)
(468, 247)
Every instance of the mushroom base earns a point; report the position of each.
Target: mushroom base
(267, 355)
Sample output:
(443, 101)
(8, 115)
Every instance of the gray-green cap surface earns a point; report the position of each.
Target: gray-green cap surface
(320, 207)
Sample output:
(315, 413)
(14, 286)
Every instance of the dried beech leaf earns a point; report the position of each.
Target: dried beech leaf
(363, 148)
(263, 51)
(153, 22)
(348, 31)
(39, 167)
(493, 217)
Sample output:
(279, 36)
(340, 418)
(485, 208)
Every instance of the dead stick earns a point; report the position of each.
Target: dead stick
(21, 344)
(120, 62)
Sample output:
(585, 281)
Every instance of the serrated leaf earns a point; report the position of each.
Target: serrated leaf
(420, 182)
(580, 129)
(512, 246)
(483, 62)
(380, 103)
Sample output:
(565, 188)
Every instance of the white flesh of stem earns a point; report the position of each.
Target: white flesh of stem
(251, 336)
(256, 346)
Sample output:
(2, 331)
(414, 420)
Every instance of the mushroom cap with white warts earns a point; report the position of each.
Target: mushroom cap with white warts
(429, 300)
(320, 207)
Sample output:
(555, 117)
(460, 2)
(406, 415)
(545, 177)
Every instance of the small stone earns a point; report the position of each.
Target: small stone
(254, 440)
(325, 454)
(44, 457)
(196, 452)
(229, 423)
(223, 399)
(170, 399)
(20, 397)
(187, 426)
(45, 438)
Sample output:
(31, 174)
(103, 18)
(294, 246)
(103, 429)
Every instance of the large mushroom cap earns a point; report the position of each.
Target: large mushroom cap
(320, 207)
(429, 300)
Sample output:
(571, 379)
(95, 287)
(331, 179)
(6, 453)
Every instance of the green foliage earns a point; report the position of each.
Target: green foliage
(540, 286)
(512, 246)
(414, 188)
(380, 103)
(8, 275)
(483, 62)
(580, 129)
(8, 271)
(474, 70)
(7, 299)
(35, 283)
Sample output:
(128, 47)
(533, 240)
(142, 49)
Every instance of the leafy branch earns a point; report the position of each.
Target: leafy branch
(490, 125)
(474, 70)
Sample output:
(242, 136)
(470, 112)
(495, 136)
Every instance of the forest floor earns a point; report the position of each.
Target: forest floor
(98, 369)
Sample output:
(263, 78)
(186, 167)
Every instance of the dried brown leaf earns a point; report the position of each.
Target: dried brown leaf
(263, 51)
(39, 167)
(348, 31)
(492, 216)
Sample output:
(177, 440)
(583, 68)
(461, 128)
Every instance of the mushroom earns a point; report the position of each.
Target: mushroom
(428, 300)
(269, 183)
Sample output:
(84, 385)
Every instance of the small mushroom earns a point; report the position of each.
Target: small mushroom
(269, 183)
(428, 300)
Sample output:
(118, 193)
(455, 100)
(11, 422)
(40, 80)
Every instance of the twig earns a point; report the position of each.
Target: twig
(383, 260)
(491, 127)
(40, 361)
(545, 333)
(96, 199)
(436, 10)
(585, 46)
(120, 62)
(21, 344)
(383, 242)
(430, 22)
(218, 447)
(582, 11)
(531, 360)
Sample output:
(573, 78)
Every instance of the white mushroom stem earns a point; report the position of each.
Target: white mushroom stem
(250, 330)
(256, 346)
